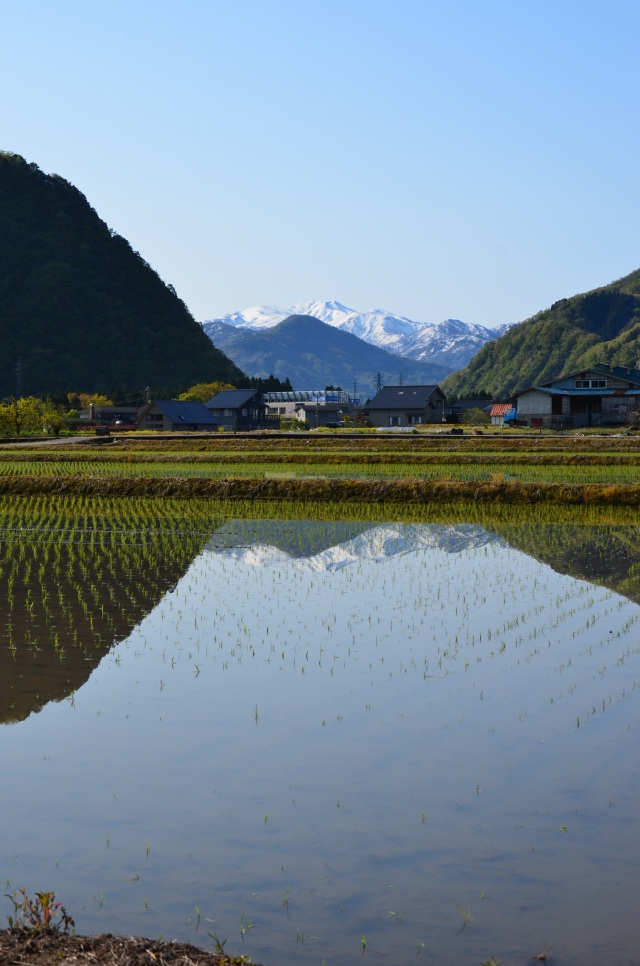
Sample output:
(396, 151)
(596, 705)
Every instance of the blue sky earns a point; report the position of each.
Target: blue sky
(443, 158)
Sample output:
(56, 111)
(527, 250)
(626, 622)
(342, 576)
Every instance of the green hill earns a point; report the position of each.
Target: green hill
(599, 326)
(78, 307)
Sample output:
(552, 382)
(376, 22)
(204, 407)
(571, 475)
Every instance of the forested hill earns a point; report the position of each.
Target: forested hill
(78, 307)
(599, 326)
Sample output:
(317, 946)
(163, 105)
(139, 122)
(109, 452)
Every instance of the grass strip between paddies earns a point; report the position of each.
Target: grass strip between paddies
(327, 490)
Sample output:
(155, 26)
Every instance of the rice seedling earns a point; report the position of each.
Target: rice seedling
(467, 918)
(447, 662)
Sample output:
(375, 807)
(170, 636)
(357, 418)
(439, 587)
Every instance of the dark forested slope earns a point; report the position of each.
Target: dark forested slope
(78, 307)
(599, 326)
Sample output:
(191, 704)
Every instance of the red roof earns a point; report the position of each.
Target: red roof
(499, 409)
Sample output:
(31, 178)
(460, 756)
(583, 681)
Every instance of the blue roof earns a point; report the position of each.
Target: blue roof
(187, 413)
(633, 375)
(232, 398)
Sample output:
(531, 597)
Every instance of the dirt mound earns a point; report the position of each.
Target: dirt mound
(40, 947)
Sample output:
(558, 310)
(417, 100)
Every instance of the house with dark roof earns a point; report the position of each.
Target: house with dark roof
(397, 406)
(173, 415)
(602, 395)
(241, 409)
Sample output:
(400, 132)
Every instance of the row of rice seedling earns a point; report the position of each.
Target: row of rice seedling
(58, 460)
(379, 442)
(328, 490)
(620, 470)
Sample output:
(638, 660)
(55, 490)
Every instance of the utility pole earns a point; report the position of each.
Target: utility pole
(378, 382)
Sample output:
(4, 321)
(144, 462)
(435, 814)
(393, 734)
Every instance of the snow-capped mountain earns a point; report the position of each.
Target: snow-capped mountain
(450, 343)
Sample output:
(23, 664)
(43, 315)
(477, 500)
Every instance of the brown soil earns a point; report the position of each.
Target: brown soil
(40, 947)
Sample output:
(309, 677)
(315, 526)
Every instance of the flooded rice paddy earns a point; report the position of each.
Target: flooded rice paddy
(328, 742)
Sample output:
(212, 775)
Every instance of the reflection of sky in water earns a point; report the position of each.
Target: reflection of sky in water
(396, 736)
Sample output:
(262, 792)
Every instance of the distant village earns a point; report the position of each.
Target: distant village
(602, 395)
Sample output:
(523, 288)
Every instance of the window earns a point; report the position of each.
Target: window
(394, 420)
(414, 419)
(154, 417)
(590, 383)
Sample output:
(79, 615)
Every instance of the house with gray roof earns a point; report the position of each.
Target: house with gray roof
(602, 395)
(237, 410)
(403, 406)
(174, 415)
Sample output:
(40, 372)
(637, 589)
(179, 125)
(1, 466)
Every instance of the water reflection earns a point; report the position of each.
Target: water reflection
(66, 596)
(608, 556)
(605, 555)
(319, 546)
(320, 734)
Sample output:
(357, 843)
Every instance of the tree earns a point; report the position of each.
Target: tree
(54, 417)
(633, 418)
(475, 417)
(203, 391)
(23, 415)
(82, 400)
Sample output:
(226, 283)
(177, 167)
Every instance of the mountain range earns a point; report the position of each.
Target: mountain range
(418, 352)
(450, 343)
(312, 355)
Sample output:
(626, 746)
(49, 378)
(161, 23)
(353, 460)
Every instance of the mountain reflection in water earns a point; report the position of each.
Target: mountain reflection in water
(605, 555)
(66, 597)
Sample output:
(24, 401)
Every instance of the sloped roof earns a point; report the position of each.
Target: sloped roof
(232, 398)
(499, 409)
(310, 407)
(402, 397)
(600, 369)
(461, 405)
(178, 412)
(633, 375)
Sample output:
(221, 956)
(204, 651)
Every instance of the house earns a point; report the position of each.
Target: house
(396, 406)
(173, 415)
(316, 406)
(241, 409)
(329, 414)
(110, 415)
(601, 395)
(498, 412)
